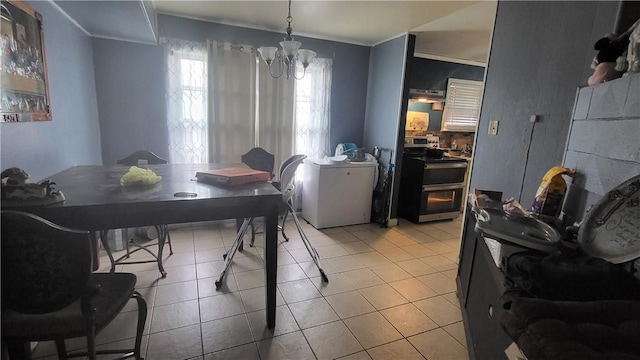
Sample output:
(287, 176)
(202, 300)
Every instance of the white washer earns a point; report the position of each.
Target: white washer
(337, 193)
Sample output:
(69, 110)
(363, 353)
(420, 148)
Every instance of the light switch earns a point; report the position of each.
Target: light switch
(493, 127)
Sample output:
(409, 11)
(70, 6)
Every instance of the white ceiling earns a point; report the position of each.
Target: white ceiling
(451, 30)
(457, 31)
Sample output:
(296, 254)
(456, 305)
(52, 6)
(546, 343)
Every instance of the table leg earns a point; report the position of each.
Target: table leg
(271, 263)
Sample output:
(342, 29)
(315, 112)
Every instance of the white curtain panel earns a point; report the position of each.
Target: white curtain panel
(187, 93)
(275, 115)
(232, 102)
(313, 110)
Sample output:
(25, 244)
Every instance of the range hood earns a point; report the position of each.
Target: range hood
(435, 97)
(427, 95)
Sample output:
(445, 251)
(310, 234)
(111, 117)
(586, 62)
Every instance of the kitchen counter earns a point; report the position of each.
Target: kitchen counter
(458, 155)
(539, 301)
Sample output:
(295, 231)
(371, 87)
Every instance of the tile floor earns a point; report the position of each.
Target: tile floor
(391, 295)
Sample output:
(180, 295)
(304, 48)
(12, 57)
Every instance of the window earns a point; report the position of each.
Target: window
(217, 108)
(462, 105)
(313, 110)
(187, 105)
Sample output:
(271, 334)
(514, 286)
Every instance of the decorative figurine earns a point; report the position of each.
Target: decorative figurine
(18, 191)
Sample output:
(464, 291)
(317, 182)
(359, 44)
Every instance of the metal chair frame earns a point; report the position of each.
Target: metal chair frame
(288, 171)
(137, 158)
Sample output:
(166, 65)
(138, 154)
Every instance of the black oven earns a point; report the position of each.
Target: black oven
(440, 201)
(444, 172)
(431, 189)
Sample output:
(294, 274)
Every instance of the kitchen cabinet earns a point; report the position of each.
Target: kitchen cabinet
(480, 288)
(337, 194)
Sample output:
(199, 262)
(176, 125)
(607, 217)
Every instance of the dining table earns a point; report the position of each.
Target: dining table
(96, 200)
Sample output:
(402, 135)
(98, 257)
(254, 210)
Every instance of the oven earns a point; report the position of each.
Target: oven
(438, 202)
(431, 189)
(444, 172)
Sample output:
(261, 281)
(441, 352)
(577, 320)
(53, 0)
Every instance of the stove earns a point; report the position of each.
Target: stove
(431, 188)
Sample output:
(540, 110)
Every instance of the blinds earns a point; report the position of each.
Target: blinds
(462, 106)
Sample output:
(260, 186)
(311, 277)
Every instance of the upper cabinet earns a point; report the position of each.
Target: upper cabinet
(462, 105)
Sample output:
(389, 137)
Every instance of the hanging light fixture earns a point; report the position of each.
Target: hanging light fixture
(287, 56)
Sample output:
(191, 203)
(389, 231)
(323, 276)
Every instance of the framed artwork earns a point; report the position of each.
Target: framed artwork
(24, 92)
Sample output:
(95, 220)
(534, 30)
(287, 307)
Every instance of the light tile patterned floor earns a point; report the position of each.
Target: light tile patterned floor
(391, 295)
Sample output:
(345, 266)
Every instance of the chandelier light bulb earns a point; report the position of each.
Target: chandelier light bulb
(268, 53)
(287, 56)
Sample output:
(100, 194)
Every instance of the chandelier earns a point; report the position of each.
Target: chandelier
(287, 56)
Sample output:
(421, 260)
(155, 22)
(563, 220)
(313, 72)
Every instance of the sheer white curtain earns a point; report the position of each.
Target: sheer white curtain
(275, 115)
(313, 110)
(222, 101)
(232, 102)
(187, 94)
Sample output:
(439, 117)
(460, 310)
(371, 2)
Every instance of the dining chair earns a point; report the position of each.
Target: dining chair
(288, 189)
(49, 292)
(258, 159)
(141, 157)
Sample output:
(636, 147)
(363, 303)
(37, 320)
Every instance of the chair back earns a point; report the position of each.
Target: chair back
(287, 177)
(45, 267)
(142, 156)
(259, 159)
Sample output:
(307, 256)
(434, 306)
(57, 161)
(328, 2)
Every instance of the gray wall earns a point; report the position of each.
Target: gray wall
(130, 86)
(604, 142)
(433, 74)
(384, 94)
(541, 51)
(132, 115)
(384, 99)
(72, 138)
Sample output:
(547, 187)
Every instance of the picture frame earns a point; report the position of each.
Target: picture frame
(24, 85)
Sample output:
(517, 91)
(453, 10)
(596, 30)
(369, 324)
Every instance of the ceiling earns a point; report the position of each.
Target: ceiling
(458, 31)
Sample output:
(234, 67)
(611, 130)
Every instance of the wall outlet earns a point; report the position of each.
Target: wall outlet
(493, 127)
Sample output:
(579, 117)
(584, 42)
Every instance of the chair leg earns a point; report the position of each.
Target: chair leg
(91, 342)
(61, 348)
(107, 248)
(284, 218)
(166, 230)
(253, 235)
(312, 250)
(142, 319)
(228, 256)
(127, 240)
(162, 238)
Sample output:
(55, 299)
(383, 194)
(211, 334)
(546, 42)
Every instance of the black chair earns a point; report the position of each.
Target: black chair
(287, 187)
(258, 159)
(140, 157)
(49, 292)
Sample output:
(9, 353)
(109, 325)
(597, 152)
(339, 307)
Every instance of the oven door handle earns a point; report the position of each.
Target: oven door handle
(445, 166)
(442, 187)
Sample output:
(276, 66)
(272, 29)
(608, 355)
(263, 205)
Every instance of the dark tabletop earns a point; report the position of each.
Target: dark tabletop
(96, 200)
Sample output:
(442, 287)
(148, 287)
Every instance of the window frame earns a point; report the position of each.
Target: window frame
(462, 105)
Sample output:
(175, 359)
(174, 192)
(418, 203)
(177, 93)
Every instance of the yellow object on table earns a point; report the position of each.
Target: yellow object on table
(139, 176)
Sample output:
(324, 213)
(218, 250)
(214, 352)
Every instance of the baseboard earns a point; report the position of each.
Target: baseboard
(392, 222)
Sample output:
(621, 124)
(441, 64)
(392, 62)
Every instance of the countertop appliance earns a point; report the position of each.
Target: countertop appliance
(337, 193)
(431, 188)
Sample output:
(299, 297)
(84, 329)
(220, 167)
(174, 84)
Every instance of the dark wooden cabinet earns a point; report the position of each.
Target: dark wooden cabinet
(480, 287)
(467, 251)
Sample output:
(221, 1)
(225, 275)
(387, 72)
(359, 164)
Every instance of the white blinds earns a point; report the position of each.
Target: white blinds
(462, 106)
